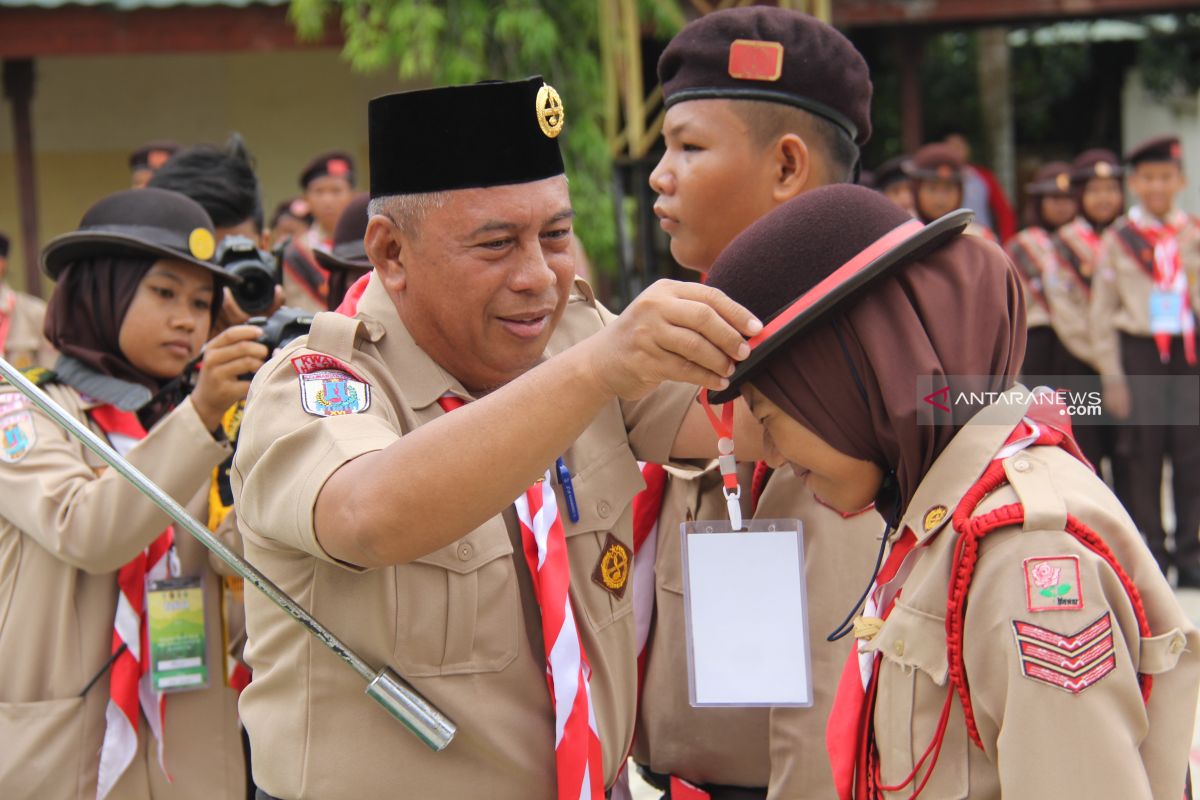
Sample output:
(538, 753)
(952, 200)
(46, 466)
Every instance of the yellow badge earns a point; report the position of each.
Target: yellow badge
(201, 243)
(934, 517)
(1104, 170)
(550, 113)
(1062, 182)
(612, 570)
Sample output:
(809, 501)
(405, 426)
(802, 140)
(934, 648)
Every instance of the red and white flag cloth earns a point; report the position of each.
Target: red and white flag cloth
(129, 678)
(1169, 278)
(577, 755)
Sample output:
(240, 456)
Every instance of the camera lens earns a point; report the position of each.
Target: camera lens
(256, 292)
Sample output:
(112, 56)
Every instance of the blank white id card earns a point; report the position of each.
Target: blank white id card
(747, 613)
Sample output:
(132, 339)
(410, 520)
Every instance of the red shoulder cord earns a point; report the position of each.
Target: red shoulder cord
(966, 554)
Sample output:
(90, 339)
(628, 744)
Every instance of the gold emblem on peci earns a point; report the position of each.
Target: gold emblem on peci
(550, 113)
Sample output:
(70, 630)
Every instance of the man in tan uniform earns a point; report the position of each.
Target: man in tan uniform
(744, 135)
(21, 317)
(1143, 324)
(394, 520)
(1018, 641)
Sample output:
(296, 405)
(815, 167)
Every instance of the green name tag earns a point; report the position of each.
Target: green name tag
(175, 609)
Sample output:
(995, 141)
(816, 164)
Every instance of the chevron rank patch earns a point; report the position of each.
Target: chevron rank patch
(1072, 662)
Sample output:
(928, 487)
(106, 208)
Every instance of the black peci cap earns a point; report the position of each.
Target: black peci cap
(1158, 149)
(772, 54)
(336, 163)
(801, 260)
(462, 137)
(138, 222)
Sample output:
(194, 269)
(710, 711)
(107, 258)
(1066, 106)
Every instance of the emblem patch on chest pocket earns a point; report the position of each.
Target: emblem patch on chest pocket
(1072, 662)
(612, 570)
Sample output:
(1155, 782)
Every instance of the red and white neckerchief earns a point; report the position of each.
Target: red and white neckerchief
(349, 305)
(1169, 276)
(849, 735)
(1088, 234)
(129, 677)
(577, 755)
(7, 309)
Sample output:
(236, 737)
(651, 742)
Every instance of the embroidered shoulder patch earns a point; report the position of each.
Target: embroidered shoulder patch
(315, 362)
(1052, 584)
(1072, 662)
(613, 568)
(17, 435)
(332, 392)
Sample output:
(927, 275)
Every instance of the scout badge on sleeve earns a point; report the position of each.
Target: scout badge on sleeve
(328, 387)
(17, 433)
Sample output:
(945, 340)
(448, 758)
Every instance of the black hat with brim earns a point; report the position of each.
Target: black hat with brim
(139, 222)
(493, 133)
(351, 256)
(802, 261)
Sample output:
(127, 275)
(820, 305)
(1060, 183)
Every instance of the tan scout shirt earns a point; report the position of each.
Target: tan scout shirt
(461, 623)
(1120, 297)
(64, 533)
(1189, 253)
(839, 553)
(24, 346)
(725, 746)
(1068, 289)
(1031, 250)
(1039, 740)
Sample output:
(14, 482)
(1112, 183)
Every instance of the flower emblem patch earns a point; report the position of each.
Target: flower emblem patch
(1052, 584)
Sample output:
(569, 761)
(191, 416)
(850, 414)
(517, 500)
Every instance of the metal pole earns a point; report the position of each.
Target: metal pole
(384, 686)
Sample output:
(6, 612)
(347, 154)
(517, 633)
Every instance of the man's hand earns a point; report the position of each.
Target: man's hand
(1116, 398)
(673, 331)
(229, 355)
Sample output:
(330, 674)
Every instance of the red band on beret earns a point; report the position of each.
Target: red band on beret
(337, 168)
(755, 61)
(837, 278)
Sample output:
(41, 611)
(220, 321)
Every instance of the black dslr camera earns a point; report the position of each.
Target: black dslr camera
(258, 269)
(282, 327)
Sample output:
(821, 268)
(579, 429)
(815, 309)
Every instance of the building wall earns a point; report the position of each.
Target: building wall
(1144, 116)
(89, 113)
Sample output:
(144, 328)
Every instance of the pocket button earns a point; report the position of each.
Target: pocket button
(465, 551)
(603, 509)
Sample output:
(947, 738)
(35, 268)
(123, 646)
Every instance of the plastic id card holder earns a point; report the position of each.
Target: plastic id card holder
(747, 613)
(175, 610)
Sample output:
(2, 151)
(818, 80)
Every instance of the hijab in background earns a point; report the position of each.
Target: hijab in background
(957, 311)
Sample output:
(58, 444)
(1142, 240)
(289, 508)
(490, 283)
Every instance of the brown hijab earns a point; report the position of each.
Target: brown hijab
(957, 311)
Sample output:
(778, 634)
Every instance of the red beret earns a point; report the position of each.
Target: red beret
(772, 54)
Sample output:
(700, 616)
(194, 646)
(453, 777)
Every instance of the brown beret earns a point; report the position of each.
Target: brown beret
(348, 251)
(1095, 163)
(1053, 178)
(801, 260)
(1160, 148)
(891, 171)
(337, 163)
(936, 161)
(152, 155)
(772, 54)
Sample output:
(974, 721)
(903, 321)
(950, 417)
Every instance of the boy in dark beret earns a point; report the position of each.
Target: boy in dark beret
(1143, 324)
(145, 161)
(763, 104)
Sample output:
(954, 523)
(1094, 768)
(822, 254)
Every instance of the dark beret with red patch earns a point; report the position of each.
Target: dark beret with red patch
(1158, 149)
(1053, 178)
(1095, 163)
(335, 163)
(936, 161)
(152, 155)
(348, 251)
(772, 54)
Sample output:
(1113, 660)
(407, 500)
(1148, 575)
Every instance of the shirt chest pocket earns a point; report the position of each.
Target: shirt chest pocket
(458, 608)
(600, 544)
(913, 685)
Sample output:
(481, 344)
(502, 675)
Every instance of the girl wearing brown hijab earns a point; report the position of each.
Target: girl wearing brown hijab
(81, 715)
(1018, 627)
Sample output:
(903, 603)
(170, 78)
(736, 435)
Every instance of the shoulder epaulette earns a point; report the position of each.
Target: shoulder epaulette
(38, 376)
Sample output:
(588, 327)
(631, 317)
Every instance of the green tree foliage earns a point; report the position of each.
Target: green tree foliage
(1169, 60)
(462, 41)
